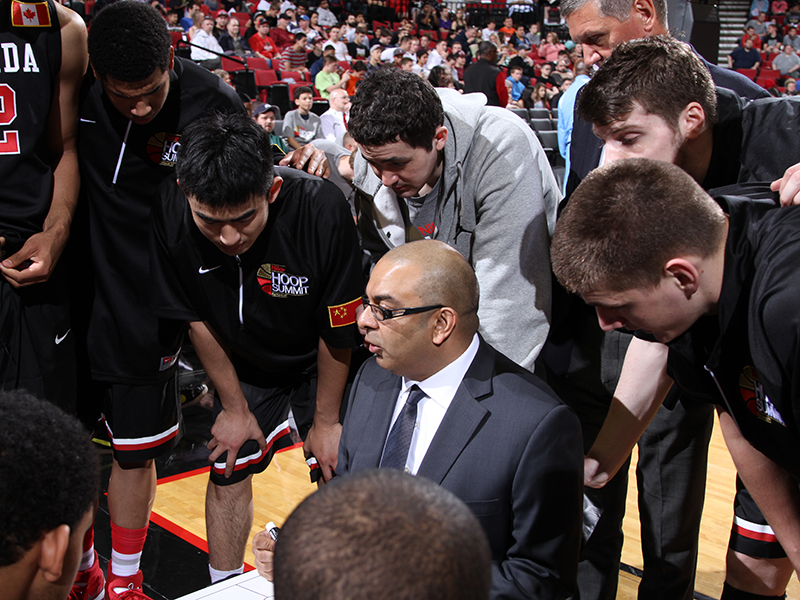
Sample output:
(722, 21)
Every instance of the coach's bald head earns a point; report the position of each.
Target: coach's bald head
(424, 274)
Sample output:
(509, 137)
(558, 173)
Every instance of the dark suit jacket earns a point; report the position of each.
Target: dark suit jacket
(509, 449)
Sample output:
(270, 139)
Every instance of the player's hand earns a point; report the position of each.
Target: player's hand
(592, 477)
(42, 250)
(263, 552)
(345, 75)
(230, 431)
(310, 159)
(788, 186)
(322, 442)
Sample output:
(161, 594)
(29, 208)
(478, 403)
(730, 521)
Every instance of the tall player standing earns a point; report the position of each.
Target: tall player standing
(43, 60)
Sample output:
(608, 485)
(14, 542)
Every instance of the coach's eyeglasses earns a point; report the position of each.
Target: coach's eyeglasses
(382, 314)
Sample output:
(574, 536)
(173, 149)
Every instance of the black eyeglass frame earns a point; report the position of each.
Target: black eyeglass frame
(383, 314)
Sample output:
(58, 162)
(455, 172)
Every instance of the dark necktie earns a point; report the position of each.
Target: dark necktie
(399, 441)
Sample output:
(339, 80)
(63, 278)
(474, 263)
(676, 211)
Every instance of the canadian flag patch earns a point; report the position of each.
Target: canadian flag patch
(30, 14)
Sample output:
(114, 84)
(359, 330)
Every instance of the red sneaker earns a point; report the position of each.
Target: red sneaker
(125, 588)
(89, 584)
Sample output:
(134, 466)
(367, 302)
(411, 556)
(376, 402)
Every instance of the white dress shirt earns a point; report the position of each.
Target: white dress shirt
(332, 124)
(441, 388)
(206, 40)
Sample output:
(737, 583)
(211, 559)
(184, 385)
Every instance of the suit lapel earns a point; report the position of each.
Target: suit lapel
(376, 426)
(463, 418)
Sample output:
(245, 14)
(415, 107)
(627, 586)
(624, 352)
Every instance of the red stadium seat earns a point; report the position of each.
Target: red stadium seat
(296, 75)
(176, 36)
(749, 73)
(256, 62)
(243, 18)
(265, 77)
(231, 65)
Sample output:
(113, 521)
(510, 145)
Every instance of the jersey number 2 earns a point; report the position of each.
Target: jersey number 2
(9, 140)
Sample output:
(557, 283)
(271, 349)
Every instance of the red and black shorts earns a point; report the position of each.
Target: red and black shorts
(750, 534)
(143, 421)
(271, 409)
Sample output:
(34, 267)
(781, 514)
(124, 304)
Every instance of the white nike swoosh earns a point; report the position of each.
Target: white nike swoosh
(60, 338)
(87, 121)
(203, 271)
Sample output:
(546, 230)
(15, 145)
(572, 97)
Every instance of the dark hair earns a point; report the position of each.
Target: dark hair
(303, 89)
(659, 73)
(49, 472)
(618, 9)
(129, 41)
(299, 36)
(626, 220)
(359, 65)
(351, 540)
(437, 76)
(392, 105)
(225, 160)
(514, 68)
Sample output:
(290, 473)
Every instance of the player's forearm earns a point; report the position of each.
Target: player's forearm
(63, 125)
(642, 386)
(66, 181)
(773, 489)
(218, 366)
(333, 365)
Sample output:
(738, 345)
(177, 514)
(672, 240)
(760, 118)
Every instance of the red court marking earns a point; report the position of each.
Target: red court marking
(179, 531)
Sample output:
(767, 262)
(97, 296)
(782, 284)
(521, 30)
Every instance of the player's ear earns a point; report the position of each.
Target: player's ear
(440, 138)
(274, 189)
(693, 120)
(94, 72)
(685, 274)
(52, 549)
(171, 58)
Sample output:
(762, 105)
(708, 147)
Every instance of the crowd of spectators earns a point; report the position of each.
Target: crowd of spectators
(769, 46)
(434, 42)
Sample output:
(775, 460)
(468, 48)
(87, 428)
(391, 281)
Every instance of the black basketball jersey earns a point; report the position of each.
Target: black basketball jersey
(30, 59)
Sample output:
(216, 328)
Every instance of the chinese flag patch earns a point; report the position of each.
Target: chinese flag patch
(343, 314)
(34, 14)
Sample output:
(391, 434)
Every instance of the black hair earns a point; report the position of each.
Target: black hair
(391, 105)
(303, 89)
(437, 76)
(299, 36)
(225, 160)
(49, 472)
(129, 41)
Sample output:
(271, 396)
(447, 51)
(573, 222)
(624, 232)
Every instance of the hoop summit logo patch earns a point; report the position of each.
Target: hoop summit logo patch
(756, 398)
(275, 281)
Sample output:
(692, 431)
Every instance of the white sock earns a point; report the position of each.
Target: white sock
(125, 565)
(220, 575)
(87, 560)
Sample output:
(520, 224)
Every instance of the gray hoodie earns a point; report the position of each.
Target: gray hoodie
(498, 209)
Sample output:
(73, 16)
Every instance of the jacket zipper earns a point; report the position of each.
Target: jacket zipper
(241, 292)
